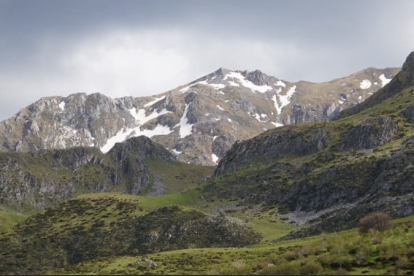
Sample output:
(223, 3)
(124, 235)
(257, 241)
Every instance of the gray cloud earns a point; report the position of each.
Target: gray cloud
(137, 48)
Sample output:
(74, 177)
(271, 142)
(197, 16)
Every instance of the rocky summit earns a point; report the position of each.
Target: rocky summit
(197, 122)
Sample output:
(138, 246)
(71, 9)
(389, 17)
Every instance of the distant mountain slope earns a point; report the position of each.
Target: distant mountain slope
(198, 122)
(329, 174)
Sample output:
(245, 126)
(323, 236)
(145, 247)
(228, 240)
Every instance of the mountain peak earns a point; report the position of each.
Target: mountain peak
(409, 63)
(222, 71)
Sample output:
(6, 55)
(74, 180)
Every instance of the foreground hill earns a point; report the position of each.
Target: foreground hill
(198, 121)
(341, 253)
(85, 229)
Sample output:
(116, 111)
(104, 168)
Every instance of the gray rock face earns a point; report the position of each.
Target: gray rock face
(198, 122)
(408, 113)
(269, 147)
(371, 133)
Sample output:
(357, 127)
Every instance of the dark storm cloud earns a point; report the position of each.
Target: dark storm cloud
(147, 47)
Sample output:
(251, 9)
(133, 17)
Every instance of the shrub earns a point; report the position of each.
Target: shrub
(311, 268)
(362, 253)
(402, 262)
(377, 221)
(290, 255)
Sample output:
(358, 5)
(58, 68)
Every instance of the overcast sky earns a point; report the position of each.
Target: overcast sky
(136, 48)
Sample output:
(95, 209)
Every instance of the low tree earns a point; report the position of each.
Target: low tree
(378, 221)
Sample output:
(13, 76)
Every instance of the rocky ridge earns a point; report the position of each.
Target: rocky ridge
(198, 122)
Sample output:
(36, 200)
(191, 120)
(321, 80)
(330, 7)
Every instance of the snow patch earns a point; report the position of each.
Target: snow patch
(284, 99)
(154, 101)
(222, 93)
(185, 128)
(62, 106)
(384, 80)
(230, 120)
(214, 137)
(365, 84)
(259, 118)
(232, 83)
(140, 119)
(217, 85)
(246, 83)
(214, 157)
(277, 124)
(280, 83)
(177, 152)
(121, 136)
(219, 107)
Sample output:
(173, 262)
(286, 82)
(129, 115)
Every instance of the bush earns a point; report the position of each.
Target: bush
(378, 221)
(290, 255)
(311, 268)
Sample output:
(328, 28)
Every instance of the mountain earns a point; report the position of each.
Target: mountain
(36, 179)
(198, 122)
(327, 175)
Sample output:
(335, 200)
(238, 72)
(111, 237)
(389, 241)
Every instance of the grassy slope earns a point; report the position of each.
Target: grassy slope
(178, 176)
(344, 252)
(9, 219)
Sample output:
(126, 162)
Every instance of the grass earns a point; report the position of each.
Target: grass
(178, 176)
(9, 219)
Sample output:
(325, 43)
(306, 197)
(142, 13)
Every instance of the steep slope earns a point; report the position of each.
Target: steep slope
(42, 178)
(334, 170)
(80, 230)
(198, 121)
(402, 80)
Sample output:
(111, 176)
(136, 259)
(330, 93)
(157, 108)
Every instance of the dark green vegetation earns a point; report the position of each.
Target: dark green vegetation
(347, 252)
(9, 219)
(87, 228)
